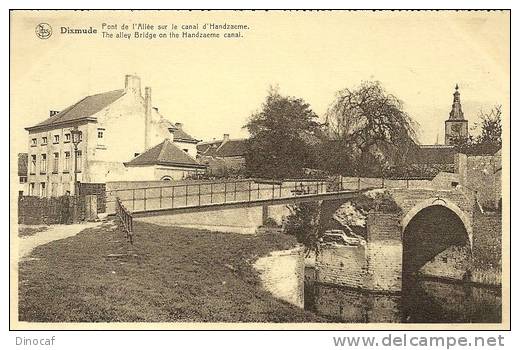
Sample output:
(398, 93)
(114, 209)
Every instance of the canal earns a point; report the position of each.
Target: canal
(423, 300)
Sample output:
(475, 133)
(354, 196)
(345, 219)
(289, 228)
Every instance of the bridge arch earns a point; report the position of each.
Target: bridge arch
(436, 201)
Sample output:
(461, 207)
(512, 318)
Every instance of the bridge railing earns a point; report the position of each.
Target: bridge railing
(125, 220)
(210, 193)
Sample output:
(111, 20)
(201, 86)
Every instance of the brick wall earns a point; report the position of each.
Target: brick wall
(282, 274)
(375, 266)
(385, 251)
(343, 265)
(452, 263)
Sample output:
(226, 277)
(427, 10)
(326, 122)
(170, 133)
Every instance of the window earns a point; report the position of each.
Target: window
(56, 138)
(43, 164)
(31, 189)
(34, 142)
(100, 133)
(66, 166)
(23, 179)
(67, 138)
(79, 162)
(43, 190)
(56, 163)
(44, 140)
(32, 166)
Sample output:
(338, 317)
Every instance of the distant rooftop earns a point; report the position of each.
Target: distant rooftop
(165, 153)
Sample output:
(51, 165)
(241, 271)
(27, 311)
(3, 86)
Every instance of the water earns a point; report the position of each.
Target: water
(422, 301)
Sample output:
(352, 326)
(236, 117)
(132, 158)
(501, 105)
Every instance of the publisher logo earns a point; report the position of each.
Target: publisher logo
(43, 31)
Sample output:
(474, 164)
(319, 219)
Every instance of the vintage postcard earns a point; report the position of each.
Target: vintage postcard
(259, 169)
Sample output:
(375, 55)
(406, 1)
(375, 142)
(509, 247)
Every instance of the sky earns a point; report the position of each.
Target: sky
(213, 86)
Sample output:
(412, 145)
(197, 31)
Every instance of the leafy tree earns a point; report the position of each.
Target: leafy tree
(368, 130)
(282, 137)
(489, 137)
(303, 223)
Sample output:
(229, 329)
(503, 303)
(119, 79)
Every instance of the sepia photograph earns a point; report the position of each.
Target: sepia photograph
(259, 169)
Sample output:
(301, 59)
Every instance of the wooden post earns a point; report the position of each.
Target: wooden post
(144, 195)
(258, 195)
(273, 191)
(225, 191)
(280, 190)
(407, 183)
(173, 193)
(211, 193)
(160, 198)
(133, 199)
(186, 195)
(235, 191)
(249, 191)
(199, 194)
(359, 183)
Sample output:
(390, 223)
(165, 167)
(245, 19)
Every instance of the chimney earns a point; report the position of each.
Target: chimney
(147, 116)
(178, 126)
(53, 113)
(225, 138)
(133, 84)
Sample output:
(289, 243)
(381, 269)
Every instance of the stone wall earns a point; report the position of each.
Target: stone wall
(479, 173)
(376, 266)
(487, 248)
(282, 274)
(347, 305)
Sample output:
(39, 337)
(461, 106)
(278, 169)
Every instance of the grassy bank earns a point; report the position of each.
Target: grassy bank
(170, 275)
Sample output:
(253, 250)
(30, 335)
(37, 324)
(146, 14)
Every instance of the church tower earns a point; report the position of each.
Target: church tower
(456, 126)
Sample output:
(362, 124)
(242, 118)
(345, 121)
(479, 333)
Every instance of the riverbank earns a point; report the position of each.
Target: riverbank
(169, 275)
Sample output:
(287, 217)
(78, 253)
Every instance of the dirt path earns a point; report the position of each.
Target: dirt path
(53, 233)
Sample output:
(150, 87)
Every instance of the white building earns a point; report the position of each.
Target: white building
(116, 126)
(164, 161)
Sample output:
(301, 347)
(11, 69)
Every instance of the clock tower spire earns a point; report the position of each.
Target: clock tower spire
(456, 127)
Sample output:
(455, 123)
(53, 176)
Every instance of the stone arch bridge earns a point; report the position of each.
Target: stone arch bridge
(431, 223)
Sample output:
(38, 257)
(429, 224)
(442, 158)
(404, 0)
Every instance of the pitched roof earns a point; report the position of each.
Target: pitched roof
(82, 109)
(433, 154)
(22, 164)
(181, 135)
(230, 148)
(165, 153)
